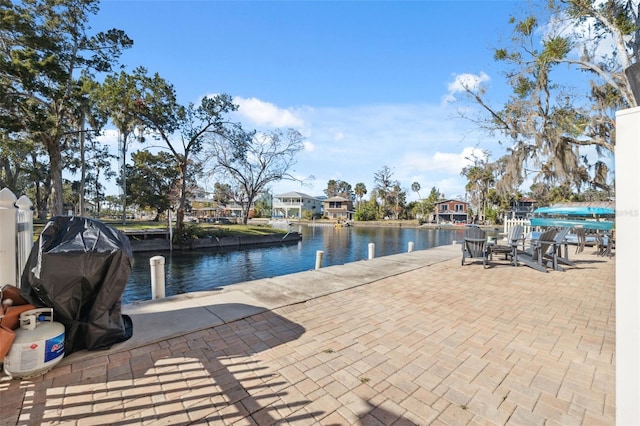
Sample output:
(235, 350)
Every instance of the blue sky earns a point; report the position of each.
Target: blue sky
(365, 82)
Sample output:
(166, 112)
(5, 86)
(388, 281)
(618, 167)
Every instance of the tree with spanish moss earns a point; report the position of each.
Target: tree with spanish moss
(548, 123)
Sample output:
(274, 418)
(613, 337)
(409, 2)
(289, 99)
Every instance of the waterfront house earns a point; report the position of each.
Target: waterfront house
(338, 208)
(296, 205)
(451, 211)
(203, 208)
(521, 208)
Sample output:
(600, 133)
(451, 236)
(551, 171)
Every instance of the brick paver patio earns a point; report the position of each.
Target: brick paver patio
(442, 345)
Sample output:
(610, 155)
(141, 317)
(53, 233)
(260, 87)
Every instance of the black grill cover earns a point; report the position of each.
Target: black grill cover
(80, 267)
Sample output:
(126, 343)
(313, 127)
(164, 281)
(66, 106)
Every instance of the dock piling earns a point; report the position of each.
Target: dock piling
(319, 255)
(157, 277)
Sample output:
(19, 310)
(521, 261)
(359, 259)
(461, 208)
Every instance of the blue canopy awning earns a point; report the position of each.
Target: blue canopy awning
(569, 223)
(575, 211)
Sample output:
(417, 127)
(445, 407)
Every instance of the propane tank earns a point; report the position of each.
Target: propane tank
(38, 345)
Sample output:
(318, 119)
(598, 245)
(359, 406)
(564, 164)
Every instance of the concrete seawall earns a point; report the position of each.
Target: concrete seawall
(163, 244)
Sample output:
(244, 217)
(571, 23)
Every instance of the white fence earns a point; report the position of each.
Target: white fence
(510, 223)
(16, 236)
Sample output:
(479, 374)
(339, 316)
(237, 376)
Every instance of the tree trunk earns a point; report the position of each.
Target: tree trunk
(56, 202)
(83, 170)
(183, 195)
(180, 218)
(123, 173)
(247, 209)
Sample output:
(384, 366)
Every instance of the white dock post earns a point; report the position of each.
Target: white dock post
(319, 255)
(157, 277)
(410, 246)
(372, 250)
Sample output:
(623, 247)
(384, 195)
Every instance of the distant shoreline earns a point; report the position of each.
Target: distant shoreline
(393, 224)
(164, 245)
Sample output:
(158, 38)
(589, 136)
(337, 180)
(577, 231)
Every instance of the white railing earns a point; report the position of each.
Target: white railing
(510, 223)
(16, 236)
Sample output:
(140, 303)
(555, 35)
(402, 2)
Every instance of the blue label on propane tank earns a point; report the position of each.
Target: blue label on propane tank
(54, 348)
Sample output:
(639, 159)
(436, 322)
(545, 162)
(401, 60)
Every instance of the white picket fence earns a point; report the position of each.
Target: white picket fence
(510, 223)
(16, 236)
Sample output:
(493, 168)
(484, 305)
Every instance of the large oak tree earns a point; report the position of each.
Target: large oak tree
(45, 47)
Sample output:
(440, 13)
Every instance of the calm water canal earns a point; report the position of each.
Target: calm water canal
(197, 270)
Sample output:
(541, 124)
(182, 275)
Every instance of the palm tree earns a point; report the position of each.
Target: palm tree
(415, 187)
(360, 190)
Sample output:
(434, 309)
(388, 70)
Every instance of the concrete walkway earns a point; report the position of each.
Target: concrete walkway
(413, 338)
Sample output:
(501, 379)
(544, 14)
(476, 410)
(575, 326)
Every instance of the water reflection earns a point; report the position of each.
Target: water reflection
(207, 269)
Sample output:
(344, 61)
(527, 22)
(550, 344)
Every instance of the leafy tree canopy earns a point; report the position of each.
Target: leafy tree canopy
(47, 47)
(151, 180)
(339, 188)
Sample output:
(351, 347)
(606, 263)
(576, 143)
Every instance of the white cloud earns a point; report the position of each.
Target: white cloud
(109, 137)
(447, 162)
(462, 82)
(263, 113)
(450, 188)
(421, 143)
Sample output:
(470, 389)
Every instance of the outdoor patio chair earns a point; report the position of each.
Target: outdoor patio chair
(555, 252)
(510, 247)
(606, 243)
(534, 256)
(475, 245)
(575, 238)
(585, 239)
